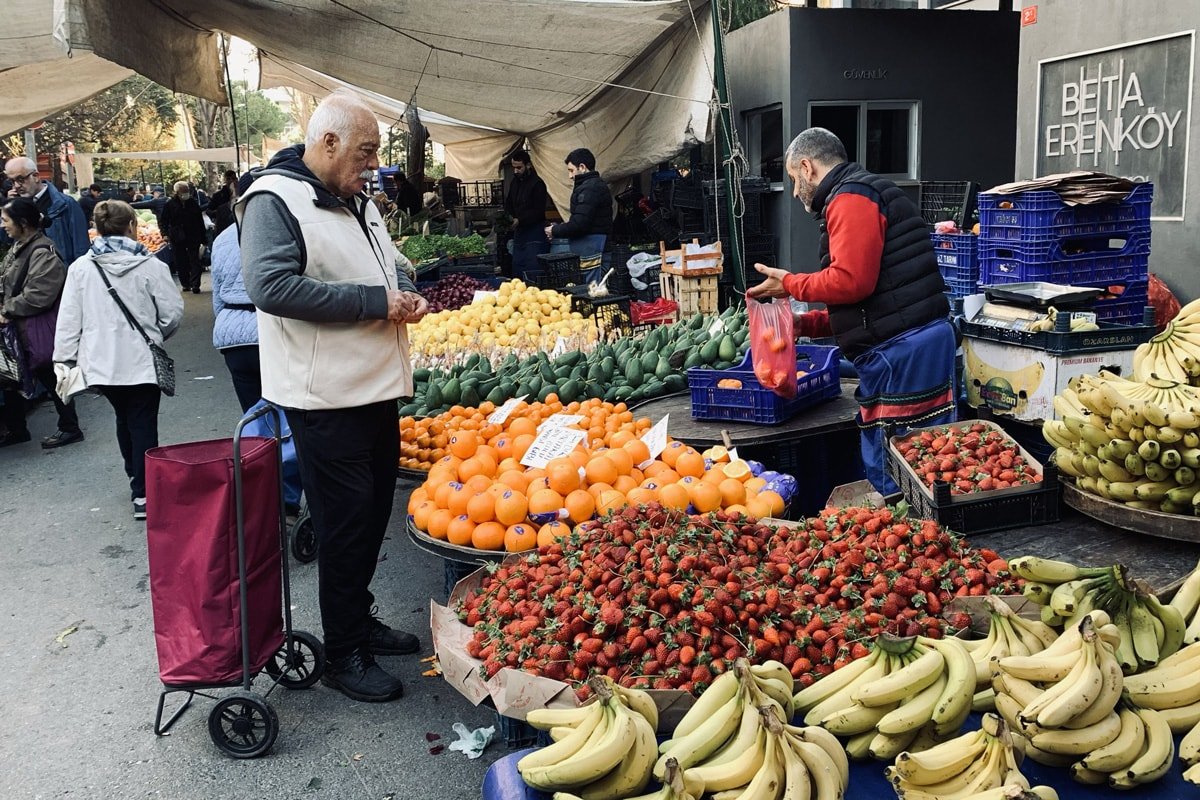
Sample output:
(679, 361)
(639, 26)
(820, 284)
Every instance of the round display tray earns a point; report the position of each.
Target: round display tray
(411, 475)
(648, 401)
(1119, 515)
(453, 552)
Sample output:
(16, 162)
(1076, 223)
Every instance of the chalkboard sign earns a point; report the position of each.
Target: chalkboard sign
(1124, 110)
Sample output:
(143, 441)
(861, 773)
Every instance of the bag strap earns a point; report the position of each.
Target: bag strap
(133, 323)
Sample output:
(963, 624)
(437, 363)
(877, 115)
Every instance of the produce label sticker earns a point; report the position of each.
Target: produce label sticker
(656, 440)
(501, 414)
(551, 443)
(480, 295)
(560, 421)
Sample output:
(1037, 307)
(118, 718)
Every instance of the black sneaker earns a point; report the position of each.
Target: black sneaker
(11, 438)
(358, 677)
(139, 508)
(386, 641)
(61, 438)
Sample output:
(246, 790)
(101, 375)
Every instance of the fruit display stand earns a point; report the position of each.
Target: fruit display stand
(1152, 523)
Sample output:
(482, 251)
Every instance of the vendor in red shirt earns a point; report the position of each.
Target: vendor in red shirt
(884, 296)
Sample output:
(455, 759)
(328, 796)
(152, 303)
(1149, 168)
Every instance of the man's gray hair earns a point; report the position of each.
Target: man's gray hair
(336, 114)
(180, 186)
(816, 144)
(21, 163)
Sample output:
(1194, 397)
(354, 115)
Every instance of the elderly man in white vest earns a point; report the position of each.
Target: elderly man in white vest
(333, 345)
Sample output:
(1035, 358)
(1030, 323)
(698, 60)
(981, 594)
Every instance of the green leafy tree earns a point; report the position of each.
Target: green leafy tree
(257, 116)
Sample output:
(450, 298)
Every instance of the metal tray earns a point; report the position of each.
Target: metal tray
(454, 552)
(1152, 523)
(1041, 295)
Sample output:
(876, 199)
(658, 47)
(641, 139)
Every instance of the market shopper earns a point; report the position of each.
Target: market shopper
(156, 203)
(31, 282)
(88, 200)
(182, 222)
(235, 327)
(332, 309)
(68, 227)
(95, 334)
(591, 207)
(220, 205)
(526, 204)
(883, 293)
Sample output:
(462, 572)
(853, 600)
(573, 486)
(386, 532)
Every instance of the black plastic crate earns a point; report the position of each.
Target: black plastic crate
(1109, 337)
(557, 271)
(943, 201)
(519, 734)
(611, 314)
(662, 226)
(455, 572)
(620, 282)
(476, 266)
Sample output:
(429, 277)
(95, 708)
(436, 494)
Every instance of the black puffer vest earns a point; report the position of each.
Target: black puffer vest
(910, 289)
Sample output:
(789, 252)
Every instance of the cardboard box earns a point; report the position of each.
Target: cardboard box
(1021, 382)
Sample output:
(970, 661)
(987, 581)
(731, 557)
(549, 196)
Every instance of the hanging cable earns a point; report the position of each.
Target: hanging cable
(237, 146)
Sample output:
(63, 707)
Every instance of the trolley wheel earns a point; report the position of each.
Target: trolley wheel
(243, 725)
(304, 540)
(300, 666)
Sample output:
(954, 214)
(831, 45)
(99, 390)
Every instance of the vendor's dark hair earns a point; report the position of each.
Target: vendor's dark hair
(112, 217)
(522, 155)
(24, 212)
(581, 157)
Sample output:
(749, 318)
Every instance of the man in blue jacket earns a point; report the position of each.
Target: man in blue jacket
(68, 224)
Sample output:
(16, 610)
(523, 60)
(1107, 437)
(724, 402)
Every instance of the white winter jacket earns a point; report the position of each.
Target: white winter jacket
(94, 333)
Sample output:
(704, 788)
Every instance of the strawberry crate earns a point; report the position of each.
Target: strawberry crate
(754, 404)
(1038, 216)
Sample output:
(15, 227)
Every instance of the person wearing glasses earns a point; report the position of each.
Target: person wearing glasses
(68, 227)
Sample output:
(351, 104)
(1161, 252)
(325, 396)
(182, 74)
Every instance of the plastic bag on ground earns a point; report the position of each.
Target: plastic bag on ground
(772, 345)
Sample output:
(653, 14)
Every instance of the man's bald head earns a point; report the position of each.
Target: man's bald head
(23, 172)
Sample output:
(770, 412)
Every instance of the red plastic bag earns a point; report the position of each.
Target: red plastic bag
(1166, 305)
(773, 345)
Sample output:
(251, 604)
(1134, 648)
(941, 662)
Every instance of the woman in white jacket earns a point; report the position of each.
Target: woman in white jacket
(93, 332)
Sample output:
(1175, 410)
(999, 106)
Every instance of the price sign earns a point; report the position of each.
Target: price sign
(656, 440)
(480, 295)
(733, 455)
(559, 421)
(501, 414)
(551, 443)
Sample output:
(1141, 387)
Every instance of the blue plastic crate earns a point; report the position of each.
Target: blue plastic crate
(1042, 215)
(958, 259)
(1079, 262)
(752, 403)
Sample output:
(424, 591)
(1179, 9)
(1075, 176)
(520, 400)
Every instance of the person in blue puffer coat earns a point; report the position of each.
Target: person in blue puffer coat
(235, 332)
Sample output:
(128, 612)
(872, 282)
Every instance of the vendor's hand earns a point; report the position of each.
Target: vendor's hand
(400, 305)
(772, 286)
(420, 309)
(549, 231)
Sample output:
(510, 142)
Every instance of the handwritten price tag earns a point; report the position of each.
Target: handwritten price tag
(656, 440)
(559, 421)
(501, 414)
(551, 443)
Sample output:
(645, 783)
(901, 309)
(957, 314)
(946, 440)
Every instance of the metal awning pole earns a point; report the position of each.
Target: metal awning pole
(724, 134)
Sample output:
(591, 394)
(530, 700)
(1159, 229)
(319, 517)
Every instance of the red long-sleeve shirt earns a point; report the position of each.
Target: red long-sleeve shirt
(856, 227)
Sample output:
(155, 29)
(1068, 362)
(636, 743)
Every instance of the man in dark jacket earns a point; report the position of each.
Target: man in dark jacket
(220, 205)
(68, 227)
(883, 293)
(591, 207)
(526, 204)
(183, 224)
(408, 199)
(88, 200)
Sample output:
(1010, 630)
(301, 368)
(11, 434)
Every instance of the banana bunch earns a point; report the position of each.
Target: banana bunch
(1174, 353)
(1047, 323)
(605, 750)
(1187, 602)
(1189, 752)
(1132, 442)
(909, 693)
(984, 763)
(675, 786)
(1008, 634)
(1148, 629)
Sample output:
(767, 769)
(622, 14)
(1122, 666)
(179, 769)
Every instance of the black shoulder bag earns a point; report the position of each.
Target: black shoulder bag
(164, 366)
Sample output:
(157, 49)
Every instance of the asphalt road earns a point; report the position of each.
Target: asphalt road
(78, 670)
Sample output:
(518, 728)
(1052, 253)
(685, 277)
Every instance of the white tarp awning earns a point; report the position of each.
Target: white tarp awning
(83, 161)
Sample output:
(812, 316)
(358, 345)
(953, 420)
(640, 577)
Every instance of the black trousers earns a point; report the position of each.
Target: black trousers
(242, 363)
(15, 406)
(348, 469)
(137, 428)
(186, 260)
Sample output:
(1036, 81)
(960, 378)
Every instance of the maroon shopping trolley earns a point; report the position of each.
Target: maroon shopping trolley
(216, 534)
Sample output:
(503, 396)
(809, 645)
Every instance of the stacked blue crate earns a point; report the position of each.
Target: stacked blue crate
(958, 260)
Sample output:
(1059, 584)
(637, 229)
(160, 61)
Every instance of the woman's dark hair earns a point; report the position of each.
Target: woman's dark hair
(112, 217)
(581, 158)
(24, 212)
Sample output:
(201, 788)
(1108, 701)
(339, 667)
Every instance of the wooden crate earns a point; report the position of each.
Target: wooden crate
(678, 262)
(694, 295)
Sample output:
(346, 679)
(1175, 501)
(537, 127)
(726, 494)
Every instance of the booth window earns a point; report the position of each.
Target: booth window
(764, 134)
(883, 136)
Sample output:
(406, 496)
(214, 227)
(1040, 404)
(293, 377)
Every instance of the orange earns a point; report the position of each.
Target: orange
(610, 500)
(638, 450)
(640, 496)
(758, 508)
(442, 495)
(520, 537)
(521, 426)
(674, 496)
(597, 488)
(537, 483)
(733, 492)
(673, 452)
(504, 446)
(774, 500)
(621, 458)
(579, 457)
(621, 438)
(459, 530)
(690, 463)
(459, 497)
(481, 508)
(624, 483)
(551, 532)
(497, 490)
(562, 475)
(418, 496)
(601, 469)
(706, 497)
(479, 484)
(470, 468)
(737, 509)
(716, 454)
(422, 513)
(439, 521)
(545, 501)
(580, 506)
(489, 536)
(756, 484)
(514, 479)
(508, 465)
(667, 476)
(654, 468)
(487, 461)
(714, 475)
(738, 469)
(463, 444)
(511, 508)
(650, 483)
(521, 444)
(688, 482)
